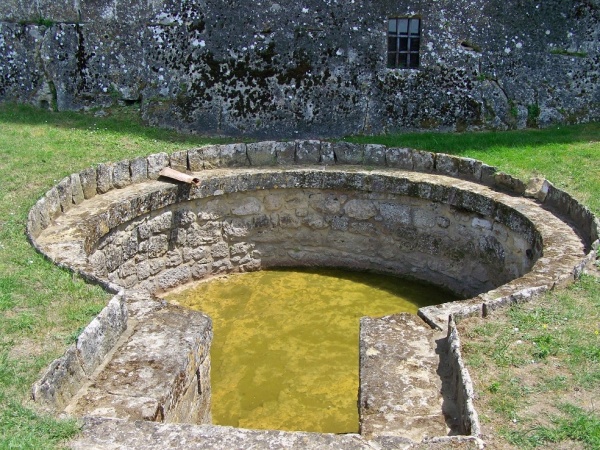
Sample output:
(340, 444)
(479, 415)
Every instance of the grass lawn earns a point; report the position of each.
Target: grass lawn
(43, 307)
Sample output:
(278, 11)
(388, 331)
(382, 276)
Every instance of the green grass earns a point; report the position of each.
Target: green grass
(572, 424)
(43, 308)
(544, 353)
(566, 155)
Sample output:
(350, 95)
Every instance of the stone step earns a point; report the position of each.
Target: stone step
(403, 379)
(159, 371)
(101, 433)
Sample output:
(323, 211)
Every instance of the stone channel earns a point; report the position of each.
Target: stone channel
(139, 374)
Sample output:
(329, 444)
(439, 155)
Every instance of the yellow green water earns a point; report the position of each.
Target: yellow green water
(285, 349)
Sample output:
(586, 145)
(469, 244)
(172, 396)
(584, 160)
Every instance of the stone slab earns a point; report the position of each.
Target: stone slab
(147, 374)
(400, 392)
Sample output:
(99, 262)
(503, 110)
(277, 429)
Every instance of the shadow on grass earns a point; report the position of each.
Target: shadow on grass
(127, 120)
(489, 141)
(120, 120)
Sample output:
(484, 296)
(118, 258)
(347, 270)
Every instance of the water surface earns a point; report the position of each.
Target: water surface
(285, 348)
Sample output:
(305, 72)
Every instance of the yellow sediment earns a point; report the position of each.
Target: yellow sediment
(285, 348)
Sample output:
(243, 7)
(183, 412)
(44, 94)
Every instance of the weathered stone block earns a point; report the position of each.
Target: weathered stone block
(251, 205)
(65, 194)
(400, 158)
(556, 199)
(488, 174)
(160, 223)
(156, 265)
(286, 153)
(100, 336)
(76, 189)
(34, 227)
(127, 269)
(327, 155)
(339, 223)
(42, 214)
(183, 219)
(170, 278)
(143, 269)
(395, 213)
(60, 382)
(509, 183)
(173, 258)
(104, 178)
(360, 209)
(233, 155)
(121, 174)
(179, 161)
(53, 203)
(469, 169)
(139, 169)
(157, 246)
(262, 153)
(204, 158)
(88, 182)
(374, 155)
(423, 161)
(220, 250)
(189, 254)
(156, 163)
(447, 164)
(308, 152)
(348, 153)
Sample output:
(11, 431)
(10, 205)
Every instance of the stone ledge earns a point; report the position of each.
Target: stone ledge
(66, 375)
(401, 393)
(161, 372)
(102, 433)
(462, 384)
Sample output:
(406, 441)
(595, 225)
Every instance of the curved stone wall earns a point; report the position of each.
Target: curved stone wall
(452, 221)
(403, 225)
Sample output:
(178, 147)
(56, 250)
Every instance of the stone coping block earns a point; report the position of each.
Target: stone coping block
(149, 372)
(101, 433)
(462, 384)
(400, 388)
(66, 375)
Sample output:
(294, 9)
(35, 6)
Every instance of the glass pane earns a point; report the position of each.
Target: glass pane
(392, 44)
(402, 60)
(414, 60)
(391, 60)
(402, 26)
(392, 26)
(415, 44)
(415, 25)
(403, 44)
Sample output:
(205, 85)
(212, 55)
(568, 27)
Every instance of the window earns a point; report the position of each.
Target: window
(404, 38)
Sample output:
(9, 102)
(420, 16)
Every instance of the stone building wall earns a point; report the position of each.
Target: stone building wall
(310, 68)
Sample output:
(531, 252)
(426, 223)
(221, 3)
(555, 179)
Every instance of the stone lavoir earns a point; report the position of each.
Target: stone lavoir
(139, 374)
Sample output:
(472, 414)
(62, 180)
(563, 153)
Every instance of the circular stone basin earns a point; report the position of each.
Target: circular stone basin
(452, 222)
